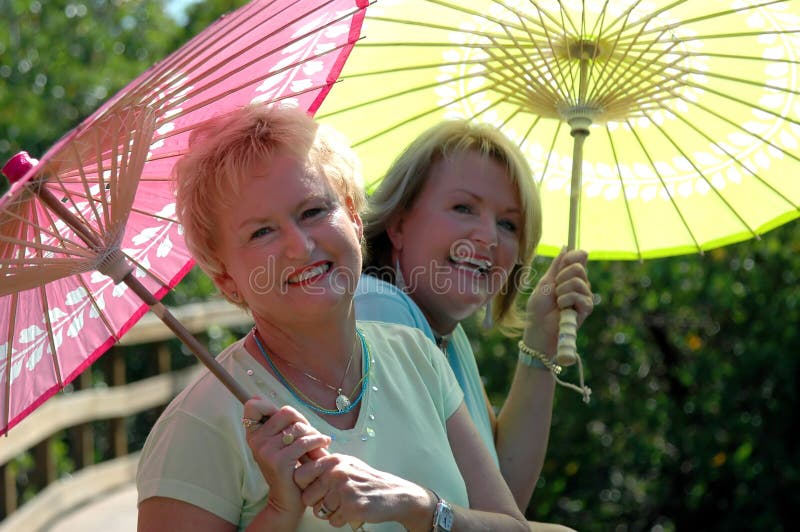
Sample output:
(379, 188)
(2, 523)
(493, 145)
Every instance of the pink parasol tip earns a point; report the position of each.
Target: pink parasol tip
(16, 167)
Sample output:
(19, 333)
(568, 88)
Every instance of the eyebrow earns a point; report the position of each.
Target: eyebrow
(512, 210)
(257, 220)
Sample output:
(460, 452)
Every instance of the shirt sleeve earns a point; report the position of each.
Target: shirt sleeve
(442, 381)
(187, 459)
(376, 300)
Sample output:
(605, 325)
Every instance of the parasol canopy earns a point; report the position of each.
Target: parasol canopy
(88, 235)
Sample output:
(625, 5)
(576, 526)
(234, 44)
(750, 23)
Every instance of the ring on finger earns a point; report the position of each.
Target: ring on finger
(324, 511)
(287, 438)
(250, 425)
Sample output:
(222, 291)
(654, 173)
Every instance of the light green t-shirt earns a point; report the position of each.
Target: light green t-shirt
(197, 452)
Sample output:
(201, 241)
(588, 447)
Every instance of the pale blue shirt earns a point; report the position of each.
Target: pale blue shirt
(377, 300)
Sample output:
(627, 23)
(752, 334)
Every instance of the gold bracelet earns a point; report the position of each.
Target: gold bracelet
(532, 357)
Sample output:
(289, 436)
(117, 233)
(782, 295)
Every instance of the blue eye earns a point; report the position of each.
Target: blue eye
(313, 212)
(508, 225)
(462, 208)
(262, 231)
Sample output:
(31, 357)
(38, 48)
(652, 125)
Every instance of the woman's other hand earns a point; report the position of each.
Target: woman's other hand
(565, 284)
(344, 489)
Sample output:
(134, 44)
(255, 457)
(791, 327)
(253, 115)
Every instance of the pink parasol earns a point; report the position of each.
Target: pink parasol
(88, 236)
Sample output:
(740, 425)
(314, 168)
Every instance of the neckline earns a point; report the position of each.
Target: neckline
(282, 396)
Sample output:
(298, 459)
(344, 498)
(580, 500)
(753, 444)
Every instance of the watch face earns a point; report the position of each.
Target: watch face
(447, 519)
(444, 517)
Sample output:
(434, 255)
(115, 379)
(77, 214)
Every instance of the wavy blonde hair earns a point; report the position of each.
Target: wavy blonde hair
(407, 176)
(221, 153)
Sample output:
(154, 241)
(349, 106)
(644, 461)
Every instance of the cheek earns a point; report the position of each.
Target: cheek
(509, 249)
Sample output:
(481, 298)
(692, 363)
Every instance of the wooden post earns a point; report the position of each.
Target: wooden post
(44, 472)
(9, 499)
(163, 358)
(119, 430)
(82, 436)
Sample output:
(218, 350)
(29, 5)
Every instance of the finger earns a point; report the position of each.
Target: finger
(306, 444)
(575, 270)
(283, 418)
(555, 265)
(306, 474)
(257, 408)
(581, 303)
(256, 411)
(327, 505)
(574, 256)
(573, 286)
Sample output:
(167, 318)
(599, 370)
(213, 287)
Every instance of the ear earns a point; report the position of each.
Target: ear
(227, 286)
(394, 230)
(352, 213)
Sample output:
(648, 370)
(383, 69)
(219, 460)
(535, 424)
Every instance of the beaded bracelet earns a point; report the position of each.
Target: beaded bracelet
(531, 357)
(537, 359)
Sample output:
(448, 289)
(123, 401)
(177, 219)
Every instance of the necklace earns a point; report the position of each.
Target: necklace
(442, 342)
(342, 406)
(342, 400)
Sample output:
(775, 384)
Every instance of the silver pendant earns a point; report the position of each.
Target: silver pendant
(342, 402)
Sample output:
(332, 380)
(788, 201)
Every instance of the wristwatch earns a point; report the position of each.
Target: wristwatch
(442, 515)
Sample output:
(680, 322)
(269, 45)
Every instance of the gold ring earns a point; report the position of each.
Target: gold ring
(287, 438)
(250, 424)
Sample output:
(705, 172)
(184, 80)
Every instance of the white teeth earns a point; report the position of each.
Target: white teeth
(480, 264)
(308, 274)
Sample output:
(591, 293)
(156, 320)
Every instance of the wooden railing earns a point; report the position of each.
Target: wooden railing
(74, 417)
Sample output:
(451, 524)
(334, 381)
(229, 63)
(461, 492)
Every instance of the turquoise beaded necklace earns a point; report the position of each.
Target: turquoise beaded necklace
(300, 396)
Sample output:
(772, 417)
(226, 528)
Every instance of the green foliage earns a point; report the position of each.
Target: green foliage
(693, 360)
(694, 370)
(61, 59)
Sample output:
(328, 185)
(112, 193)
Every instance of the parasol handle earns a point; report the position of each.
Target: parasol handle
(187, 338)
(566, 352)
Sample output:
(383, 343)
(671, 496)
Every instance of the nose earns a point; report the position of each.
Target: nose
(298, 243)
(485, 231)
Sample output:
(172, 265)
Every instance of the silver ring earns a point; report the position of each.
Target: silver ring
(324, 511)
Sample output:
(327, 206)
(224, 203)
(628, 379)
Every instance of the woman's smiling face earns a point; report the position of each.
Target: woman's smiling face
(290, 246)
(460, 239)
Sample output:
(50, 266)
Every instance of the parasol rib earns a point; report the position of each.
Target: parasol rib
(664, 187)
(740, 163)
(550, 152)
(257, 77)
(618, 165)
(207, 73)
(717, 14)
(702, 175)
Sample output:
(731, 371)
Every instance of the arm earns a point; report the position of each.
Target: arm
(522, 428)
(170, 509)
(162, 513)
(354, 491)
(492, 505)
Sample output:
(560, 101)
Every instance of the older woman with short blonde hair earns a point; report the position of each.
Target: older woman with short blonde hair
(373, 428)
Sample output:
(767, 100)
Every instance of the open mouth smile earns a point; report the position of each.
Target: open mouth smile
(309, 274)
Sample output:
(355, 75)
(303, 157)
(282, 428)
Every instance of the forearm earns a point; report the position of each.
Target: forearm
(523, 430)
(274, 519)
(466, 520)
(418, 517)
(523, 425)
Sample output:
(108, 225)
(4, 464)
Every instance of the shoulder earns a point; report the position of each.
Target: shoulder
(206, 400)
(377, 300)
(401, 342)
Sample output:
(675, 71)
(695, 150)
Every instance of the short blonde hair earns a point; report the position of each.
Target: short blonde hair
(222, 152)
(407, 176)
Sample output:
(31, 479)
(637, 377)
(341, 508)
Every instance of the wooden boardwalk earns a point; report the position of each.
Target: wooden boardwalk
(115, 512)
